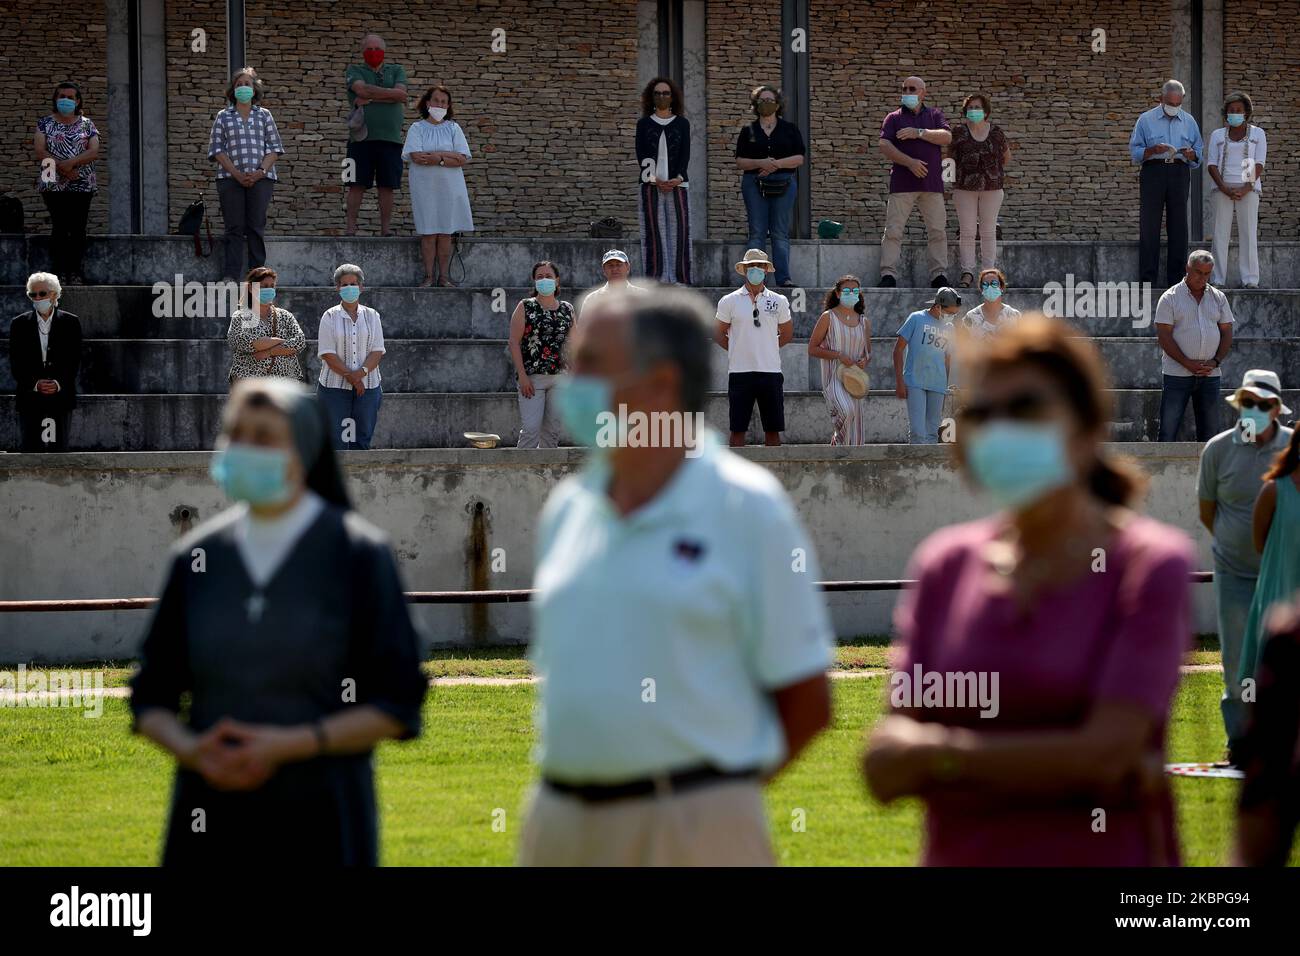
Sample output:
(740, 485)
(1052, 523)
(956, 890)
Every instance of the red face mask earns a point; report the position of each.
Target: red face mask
(373, 58)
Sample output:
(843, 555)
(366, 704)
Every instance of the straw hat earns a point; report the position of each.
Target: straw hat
(855, 380)
(483, 439)
(755, 257)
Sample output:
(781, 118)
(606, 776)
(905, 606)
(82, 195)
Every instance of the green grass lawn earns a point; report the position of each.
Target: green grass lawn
(75, 791)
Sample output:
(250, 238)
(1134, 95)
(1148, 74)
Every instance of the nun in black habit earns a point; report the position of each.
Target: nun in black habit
(280, 653)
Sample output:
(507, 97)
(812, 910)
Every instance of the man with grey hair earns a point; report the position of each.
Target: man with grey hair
(1194, 328)
(350, 347)
(1166, 143)
(912, 138)
(380, 89)
(679, 634)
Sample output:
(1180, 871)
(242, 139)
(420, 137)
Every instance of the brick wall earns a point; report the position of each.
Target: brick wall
(1067, 111)
(739, 57)
(1261, 57)
(550, 121)
(71, 40)
(196, 82)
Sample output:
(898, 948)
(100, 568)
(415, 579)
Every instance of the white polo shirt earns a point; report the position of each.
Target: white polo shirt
(660, 636)
(351, 342)
(750, 348)
(1196, 324)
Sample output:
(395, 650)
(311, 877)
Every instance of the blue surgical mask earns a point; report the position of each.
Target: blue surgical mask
(252, 474)
(266, 295)
(975, 116)
(756, 275)
(545, 286)
(244, 94)
(1017, 463)
(849, 297)
(911, 100)
(1261, 420)
(65, 106)
(1234, 119)
(43, 305)
(581, 400)
(350, 293)
(991, 291)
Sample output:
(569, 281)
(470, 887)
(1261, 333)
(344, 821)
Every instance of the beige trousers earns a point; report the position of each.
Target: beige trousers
(722, 824)
(935, 215)
(977, 207)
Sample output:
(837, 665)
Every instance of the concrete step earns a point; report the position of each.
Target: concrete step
(163, 366)
(136, 311)
(491, 262)
(190, 422)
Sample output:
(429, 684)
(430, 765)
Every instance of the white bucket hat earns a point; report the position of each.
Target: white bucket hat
(755, 257)
(1262, 383)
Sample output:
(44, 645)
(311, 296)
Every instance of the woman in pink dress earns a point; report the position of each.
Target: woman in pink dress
(1041, 646)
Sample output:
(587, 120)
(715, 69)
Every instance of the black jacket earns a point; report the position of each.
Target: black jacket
(62, 362)
(678, 135)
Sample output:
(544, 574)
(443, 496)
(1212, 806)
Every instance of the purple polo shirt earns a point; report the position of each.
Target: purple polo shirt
(901, 179)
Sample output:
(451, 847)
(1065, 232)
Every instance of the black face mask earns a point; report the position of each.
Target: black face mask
(766, 109)
(663, 99)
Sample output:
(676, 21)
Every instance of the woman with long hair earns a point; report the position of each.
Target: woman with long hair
(842, 340)
(1041, 646)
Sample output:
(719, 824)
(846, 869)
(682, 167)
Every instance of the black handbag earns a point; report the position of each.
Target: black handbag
(192, 221)
(607, 228)
(11, 215)
(770, 188)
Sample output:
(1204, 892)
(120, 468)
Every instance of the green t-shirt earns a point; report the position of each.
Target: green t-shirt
(383, 120)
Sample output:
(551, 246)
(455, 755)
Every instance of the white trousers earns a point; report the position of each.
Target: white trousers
(1246, 211)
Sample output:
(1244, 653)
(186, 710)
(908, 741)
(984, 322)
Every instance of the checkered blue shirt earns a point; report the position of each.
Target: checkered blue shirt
(245, 143)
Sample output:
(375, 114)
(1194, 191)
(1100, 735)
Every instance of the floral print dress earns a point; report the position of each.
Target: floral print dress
(545, 332)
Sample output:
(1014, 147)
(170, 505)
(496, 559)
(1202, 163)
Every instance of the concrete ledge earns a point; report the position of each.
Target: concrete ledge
(93, 526)
(126, 260)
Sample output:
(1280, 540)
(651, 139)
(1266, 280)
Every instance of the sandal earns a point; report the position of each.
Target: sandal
(427, 283)
(967, 280)
(446, 283)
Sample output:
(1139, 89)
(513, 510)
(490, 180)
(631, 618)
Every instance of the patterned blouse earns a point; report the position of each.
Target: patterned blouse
(245, 329)
(545, 332)
(64, 141)
(979, 165)
(246, 143)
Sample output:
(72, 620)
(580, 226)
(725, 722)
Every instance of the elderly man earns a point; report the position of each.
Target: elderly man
(1231, 476)
(1194, 328)
(678, 630)
(615, 265)
(912, 138)
(45, 356)
(381, 88)
(1166, 143)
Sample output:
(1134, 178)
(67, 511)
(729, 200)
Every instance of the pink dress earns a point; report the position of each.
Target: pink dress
(1118, 634)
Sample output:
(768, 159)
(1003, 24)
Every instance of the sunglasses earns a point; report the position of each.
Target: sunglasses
(855, 290)
(40, 294)
(757, 324)
(1263, 404)
(1023, 406)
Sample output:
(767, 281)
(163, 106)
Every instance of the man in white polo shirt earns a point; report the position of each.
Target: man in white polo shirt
(616, 267)
(679, 635)
(753, 323)
(1194, 328)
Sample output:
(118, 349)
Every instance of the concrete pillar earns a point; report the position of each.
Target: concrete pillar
(152, 87)
(695, 79)
(118, 122)
(1212, 92)
(647, 43)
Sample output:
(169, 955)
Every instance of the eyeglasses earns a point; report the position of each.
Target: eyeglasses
(992, 284)
(1023, 406)
(855, 290)
(40, 294)
(1263, 404)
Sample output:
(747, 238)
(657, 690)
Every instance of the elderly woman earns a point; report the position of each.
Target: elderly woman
(351, 346)
(438, 151)
(539, 329)
(67, 144)
(981, 153)
(842, 339)
(265, 340)
(663, 150)
(1235, 160)
(768, 151)
(299, 600)
(44, 357)
(1072, 671)
(245, 144)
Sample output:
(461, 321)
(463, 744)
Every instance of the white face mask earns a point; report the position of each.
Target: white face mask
(1172, 110)
(436, 113)
(43, 306)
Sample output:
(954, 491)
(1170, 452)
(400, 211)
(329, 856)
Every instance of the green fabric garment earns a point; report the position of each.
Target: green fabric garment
(383, 120)
(1279, 572)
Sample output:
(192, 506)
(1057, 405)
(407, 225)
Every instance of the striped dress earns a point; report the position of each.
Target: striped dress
(848, 413)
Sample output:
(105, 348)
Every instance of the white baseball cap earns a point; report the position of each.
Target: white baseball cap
(618, 254)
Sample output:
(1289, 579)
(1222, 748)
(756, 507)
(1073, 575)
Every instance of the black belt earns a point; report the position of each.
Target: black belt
(662, 784)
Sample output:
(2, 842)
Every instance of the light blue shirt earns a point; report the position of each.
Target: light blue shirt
(660, 636)
(928, 341)
(1154, 127)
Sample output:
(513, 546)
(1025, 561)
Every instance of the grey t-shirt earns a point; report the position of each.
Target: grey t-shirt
(1231, 476)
